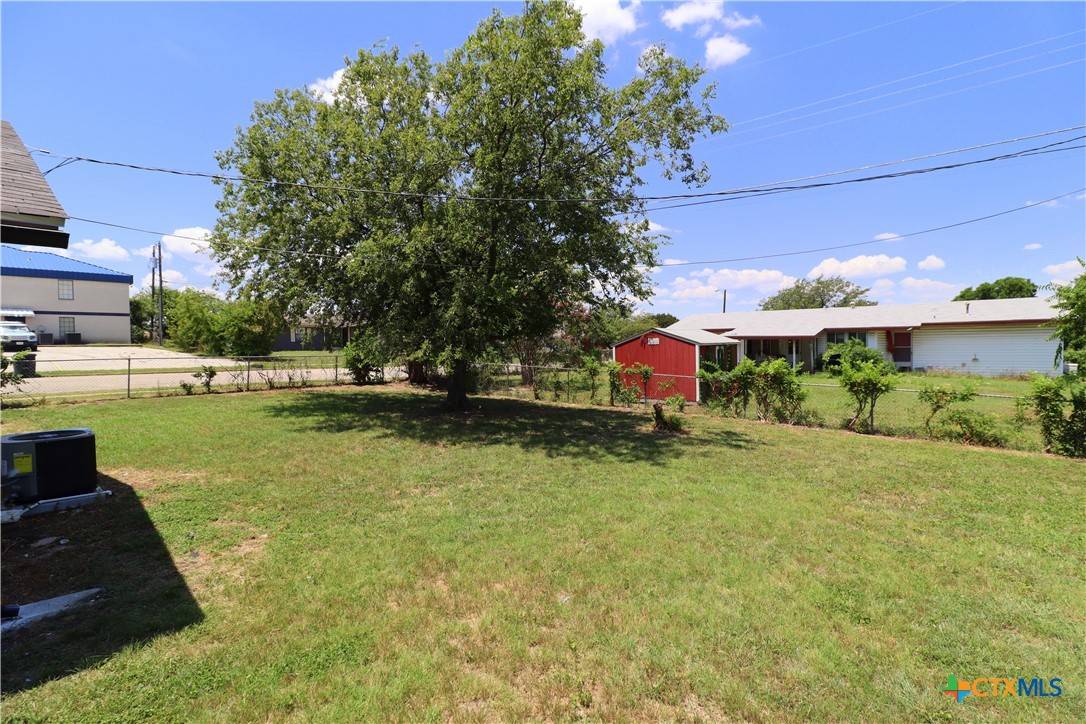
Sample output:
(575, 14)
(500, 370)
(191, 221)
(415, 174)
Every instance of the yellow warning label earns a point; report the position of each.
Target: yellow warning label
(23, 463)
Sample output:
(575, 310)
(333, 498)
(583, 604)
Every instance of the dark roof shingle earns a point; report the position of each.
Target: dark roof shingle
(23, 189)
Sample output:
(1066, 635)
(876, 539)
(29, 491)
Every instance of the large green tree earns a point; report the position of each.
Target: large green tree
(1005, 288)
(435, 255)
(1070, 300)
(822, 291)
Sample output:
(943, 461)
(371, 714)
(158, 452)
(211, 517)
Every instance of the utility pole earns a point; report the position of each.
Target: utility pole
(154, 268)
(161, 334)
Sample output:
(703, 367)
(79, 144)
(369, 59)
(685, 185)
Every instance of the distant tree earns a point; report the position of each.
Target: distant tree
(622, 327)
(819, 292)
(1005, 288)
(143, 312)
(1070, 299)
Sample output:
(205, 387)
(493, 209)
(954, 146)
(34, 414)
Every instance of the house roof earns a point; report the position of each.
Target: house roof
(806, 323)
(693, 336)
(23, 189)
(15, 262)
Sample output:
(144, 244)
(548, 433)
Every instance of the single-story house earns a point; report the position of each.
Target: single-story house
(989, 337)
(29, 211)
(311, 335)
(56, 297)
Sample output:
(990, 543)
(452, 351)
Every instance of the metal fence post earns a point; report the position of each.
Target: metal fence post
(248, 365)
(129, 392)
(568, 394)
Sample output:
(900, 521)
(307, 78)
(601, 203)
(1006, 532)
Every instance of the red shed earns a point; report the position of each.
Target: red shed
(674, 357)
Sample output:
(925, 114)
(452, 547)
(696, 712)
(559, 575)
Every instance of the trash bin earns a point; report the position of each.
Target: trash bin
(26, 367)
(73, 338)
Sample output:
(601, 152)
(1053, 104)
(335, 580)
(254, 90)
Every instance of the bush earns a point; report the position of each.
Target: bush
(205, 376)
(866, 382)
(9, 375)
(941, 397)
(1063, 433)
(973, 428)
(852, 352)
(645, 373)
(676, 402)
(712, 380)
(739, 386)
(665, 422)
(592, 369)
(365, 358)
(778, 395)
(614, 381)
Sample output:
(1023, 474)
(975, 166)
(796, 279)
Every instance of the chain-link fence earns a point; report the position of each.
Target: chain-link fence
(119, 377)
(577, 384)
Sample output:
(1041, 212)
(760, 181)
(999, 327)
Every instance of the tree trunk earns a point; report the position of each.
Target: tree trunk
(416, 373)
(457, 395)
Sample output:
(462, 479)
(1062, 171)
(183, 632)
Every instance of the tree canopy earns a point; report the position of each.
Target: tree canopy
(1070, 300)
(500, 187)
(822, 291)
(1005, 288)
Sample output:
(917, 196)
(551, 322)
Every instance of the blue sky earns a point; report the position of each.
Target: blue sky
(810, 87)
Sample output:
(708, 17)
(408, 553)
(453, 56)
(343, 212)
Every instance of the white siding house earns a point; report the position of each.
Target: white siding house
(990, 337)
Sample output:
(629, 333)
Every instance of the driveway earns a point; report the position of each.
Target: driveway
(82, 357)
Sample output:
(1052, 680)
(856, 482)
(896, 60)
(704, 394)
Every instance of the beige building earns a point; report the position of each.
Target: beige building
(62, 298)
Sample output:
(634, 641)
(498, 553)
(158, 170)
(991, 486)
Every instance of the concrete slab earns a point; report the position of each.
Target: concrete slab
(49, 607)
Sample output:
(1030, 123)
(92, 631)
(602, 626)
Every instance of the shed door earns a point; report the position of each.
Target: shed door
(903, 347)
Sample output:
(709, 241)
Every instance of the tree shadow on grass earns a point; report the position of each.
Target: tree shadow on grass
(552, 429)
(111, 544)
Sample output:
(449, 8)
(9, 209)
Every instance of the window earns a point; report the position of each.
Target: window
(67, 324)
(65, 289)
(842, 337)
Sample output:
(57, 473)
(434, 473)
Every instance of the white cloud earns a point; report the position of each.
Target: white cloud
(883, 286)
(106, 249)
(148, 251)
(1031, 247)
(173, 279)
(1045, 204)
(673, 262)
(735, 21)
(608, 20)
(691, 13)
(859, 266)
(190, 243)
(930, 263)
(711, 283)
(724, 50)
(886, 236)
(209, 270)
(924, 289)
(658, 228)
(1066, 269)
(324, 89)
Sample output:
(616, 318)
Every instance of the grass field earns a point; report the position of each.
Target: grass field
(355, 554)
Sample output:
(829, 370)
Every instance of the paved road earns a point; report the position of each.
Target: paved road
(79, 357)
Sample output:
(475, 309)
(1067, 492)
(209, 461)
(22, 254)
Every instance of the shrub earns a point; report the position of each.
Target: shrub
(676, 402)
(739, 386)
(852, 352)
(365, 357)
(188, 387)
(592, 369)
(665, 422)
(205, 376)
(614, 381)
(712, 380)
(1063, 433)
(974, 428)
(9, 375)
(777, 392)
(645, 373)
(940, 397)
(866, 382)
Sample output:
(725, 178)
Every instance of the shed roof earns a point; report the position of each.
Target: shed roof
(17, 262)
(806, 323)
(693, 336)
(23, 188)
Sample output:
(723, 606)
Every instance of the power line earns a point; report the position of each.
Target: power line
(668, 197)
(850, 35)
(880, 241)
(671, 264)
(909, 77)
(901, 105)
(907, 90)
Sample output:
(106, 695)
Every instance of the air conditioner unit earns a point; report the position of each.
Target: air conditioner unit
(36, 466)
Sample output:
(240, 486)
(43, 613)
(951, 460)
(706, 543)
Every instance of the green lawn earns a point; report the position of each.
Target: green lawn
(355, 554)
